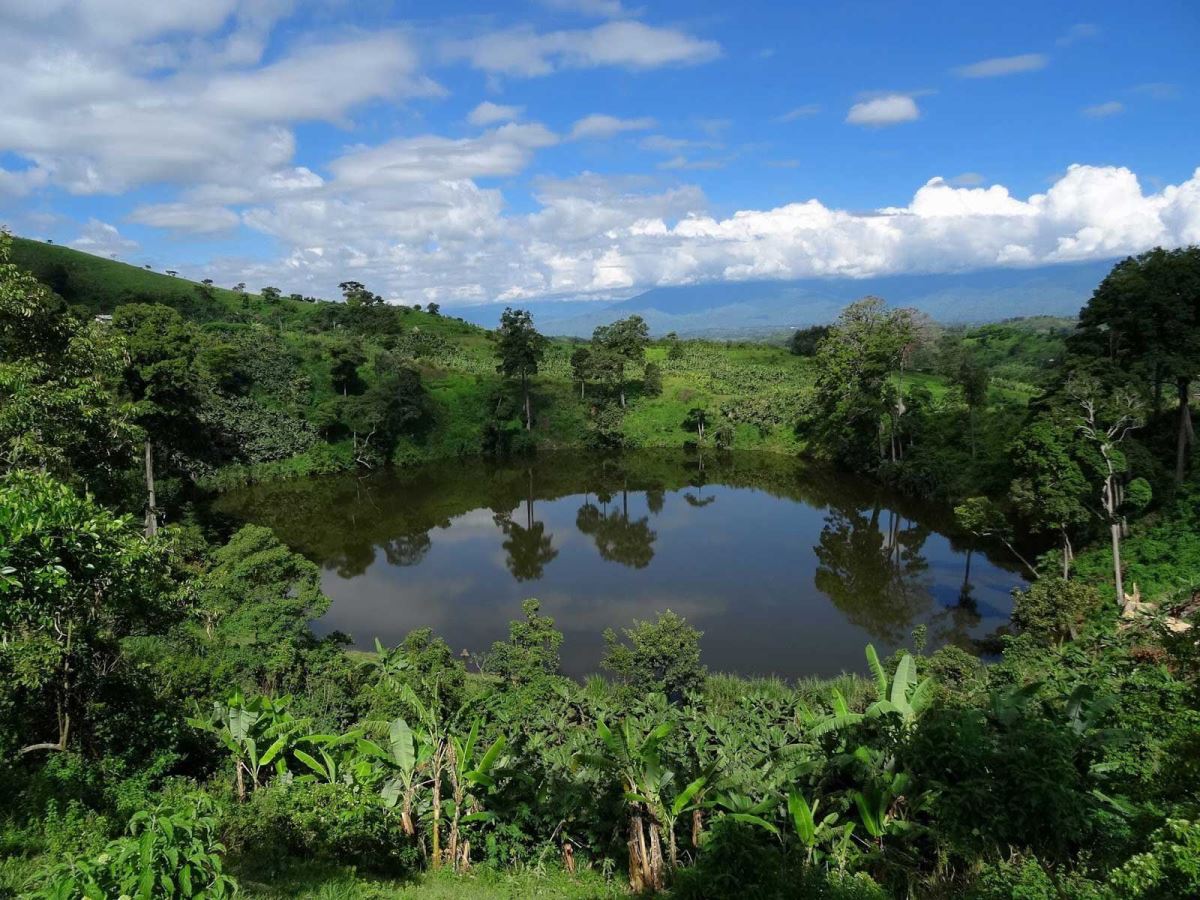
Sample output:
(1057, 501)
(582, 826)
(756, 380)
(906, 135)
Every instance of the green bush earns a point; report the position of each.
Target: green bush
(1053, 610)
(171, 851)
(331, 822)
(662, 657)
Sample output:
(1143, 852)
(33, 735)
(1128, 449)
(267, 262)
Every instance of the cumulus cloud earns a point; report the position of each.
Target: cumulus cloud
(504, 151)
(91, 114)
(103, 239)
(524, 52)
(452, 241)
(1004, 65)
(489, 113)
(879, 112)
(1104, 110)
(598, 126)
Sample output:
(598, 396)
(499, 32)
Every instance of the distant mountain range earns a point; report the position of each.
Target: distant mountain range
(757, 308)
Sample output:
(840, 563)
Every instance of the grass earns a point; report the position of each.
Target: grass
(322, 881)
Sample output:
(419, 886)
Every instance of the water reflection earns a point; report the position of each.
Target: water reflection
(787, 570)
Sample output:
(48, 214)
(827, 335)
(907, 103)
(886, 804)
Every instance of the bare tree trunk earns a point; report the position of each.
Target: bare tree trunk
(1114, 528)
(697, 827)
(1185, 435)
(658, 878)
(151, 503)
(1068, 555)
(622, 396)
(528, 413)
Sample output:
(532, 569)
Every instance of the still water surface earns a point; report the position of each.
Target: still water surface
(787, 570)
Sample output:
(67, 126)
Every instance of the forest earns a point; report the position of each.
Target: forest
(171, 725)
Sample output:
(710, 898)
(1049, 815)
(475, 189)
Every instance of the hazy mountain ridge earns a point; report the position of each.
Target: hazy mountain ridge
(765, 307)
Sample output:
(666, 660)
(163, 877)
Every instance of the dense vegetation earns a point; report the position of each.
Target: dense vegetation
(169, 725)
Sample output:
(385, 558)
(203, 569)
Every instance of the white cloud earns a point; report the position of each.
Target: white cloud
(661, 143)
(1004, 65)
(608, 9)
(879, 112)
(1104, 110)
(684, 163)
(448, 240)
(103, 239)
(1076, 33)
(188, 217)
(524, 52)
(504, 151)
(598, 126)
(489, 113)
(92, 115)
(799, 112)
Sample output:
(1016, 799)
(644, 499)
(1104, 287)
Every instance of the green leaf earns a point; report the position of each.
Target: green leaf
(881, 679)
(685, 796)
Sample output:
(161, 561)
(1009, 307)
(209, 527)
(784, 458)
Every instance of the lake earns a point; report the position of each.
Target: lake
(788, 570)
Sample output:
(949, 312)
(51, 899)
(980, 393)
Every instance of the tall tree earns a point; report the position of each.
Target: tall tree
(58, 409)
(1145, 318)
(581, 361)
(519, 349)
(162, 378)
(972, 380)
(1050, 490)
(625, 342)
(1105, 419)
(856, 363)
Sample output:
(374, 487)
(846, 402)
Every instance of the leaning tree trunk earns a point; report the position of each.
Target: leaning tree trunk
(1068, 555)
(1184, 434)
(151, 504)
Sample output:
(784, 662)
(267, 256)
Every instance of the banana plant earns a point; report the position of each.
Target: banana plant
(878, 805)
(246, 726)
(901, 695)
(653, 806)
(404, 759)
(339, 761)
(813, 832)
(469, 769)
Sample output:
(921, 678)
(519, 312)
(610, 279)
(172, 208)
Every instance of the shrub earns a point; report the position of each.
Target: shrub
(331, 822)
(664, 657)
(170, 851)
(1052, 609)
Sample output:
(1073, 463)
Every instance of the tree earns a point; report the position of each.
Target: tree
(581, 368)
(624, 341)
(345, 358)
(1050, 489)
(75, 580)
(652, 383)
(865, 348)
(1145, 318)
(1104, 419)
(162, 379)
(58, 409)
(392, 405)
(356, 294)
(697, 421)
(433, 309)
(661, 657)
(239, 288)
(972, 380)
(271, 294)
(804, 341)
(519, 349)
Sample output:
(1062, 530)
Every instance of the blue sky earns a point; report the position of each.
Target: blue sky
(594, 148)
